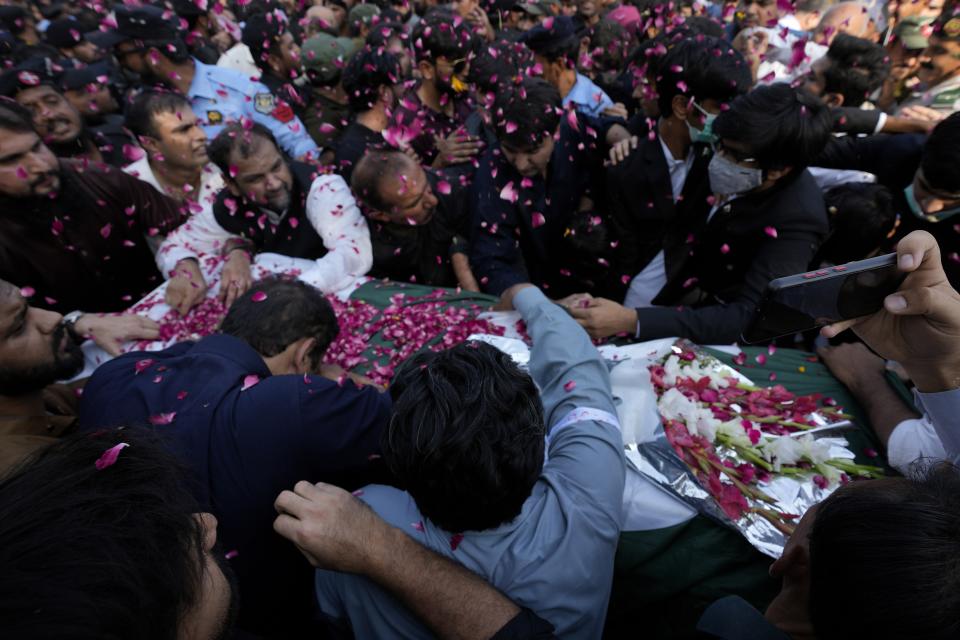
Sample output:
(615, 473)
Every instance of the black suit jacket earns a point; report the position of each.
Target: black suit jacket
(894, 159)
(718, 268)
(640, 203)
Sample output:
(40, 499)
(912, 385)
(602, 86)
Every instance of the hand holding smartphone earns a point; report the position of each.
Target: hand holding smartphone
(809, 300)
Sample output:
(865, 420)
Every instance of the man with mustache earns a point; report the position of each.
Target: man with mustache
(35, 84)
(75, 237)
(277, 206)
(939, 70)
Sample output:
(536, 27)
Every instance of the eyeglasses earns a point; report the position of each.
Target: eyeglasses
(738, 156)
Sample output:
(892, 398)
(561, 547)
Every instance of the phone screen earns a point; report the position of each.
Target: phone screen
(806, 301)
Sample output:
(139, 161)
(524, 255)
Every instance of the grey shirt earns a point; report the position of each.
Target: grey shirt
(556, 557)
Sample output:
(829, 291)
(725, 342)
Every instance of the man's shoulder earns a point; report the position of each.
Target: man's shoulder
(228, 78)
(395, 506)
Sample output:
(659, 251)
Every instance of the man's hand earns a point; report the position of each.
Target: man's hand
(331, 528)
(110, 332)
(926, 114)
(752, 45)
(465, 277)
(458, 147)
(622, 150)
(340, 375)
(617, 110)
(506, 298)
(919, 325)
(603, 318)
(235, 277)
(187, 288)
(616, 134)
(579, 300)
(481, 23)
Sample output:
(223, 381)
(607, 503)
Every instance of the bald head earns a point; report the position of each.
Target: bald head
(852, 18)
(393, 187)
(320, 19)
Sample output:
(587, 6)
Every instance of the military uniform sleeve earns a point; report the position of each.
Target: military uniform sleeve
(278, 117)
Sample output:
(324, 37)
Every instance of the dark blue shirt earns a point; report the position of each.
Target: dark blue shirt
(520, 239)
(244, 446)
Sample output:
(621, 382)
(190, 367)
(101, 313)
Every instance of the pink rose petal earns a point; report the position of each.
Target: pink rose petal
(259, 296)
(569, 386)
(109, 456)
(163, 418)
(249, 381)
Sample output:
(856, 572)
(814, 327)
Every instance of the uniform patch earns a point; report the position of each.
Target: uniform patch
(952, 28)
(264, 103)
(214, 117)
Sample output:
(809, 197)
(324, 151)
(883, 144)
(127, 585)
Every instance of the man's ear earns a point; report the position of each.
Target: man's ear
(680, 105)
(274, 61)
(301, 355)
(152, 56)
(379, 216)
(793, 563)
(833, 100)
(149, 144)
(427, 71)
(232, 186)
(776, 174)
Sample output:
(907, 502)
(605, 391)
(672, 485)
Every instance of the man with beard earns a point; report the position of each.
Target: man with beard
(430, 118)
(147, 43)
(419, 222)
(34, 84)
(37, 348)
(939, 70)
(75, 236)
(274, 206)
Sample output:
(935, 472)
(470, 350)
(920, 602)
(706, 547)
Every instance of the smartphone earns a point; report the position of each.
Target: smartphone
(817, 298)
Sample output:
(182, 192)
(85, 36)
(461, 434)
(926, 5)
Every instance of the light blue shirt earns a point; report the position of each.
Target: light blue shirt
(220, 96)
(944, 411)
(556, 557)
(588, 97)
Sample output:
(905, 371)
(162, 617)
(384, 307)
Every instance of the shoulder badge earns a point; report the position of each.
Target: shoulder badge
(264, 103)
(952, 28)
(214, 117)
(946, 99)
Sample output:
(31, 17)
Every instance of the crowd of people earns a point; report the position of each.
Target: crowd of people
(609, 169)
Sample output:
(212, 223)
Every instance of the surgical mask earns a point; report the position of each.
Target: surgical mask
(918, 211)
(727, 178)
(705, 135)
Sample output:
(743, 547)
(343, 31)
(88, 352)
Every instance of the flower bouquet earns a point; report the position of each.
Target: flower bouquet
(762, 455)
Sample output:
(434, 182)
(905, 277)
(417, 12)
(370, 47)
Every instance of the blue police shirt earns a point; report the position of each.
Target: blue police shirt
(220, 96)
(243, 445)
(587, 97)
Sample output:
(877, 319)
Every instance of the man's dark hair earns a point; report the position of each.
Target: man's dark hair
(701, 68)
(857, 68)
(241, 139)
(14, 117)
(441, 34)
(384, 32)
(145, 107)
(499, 65)
(527, 113)
(781, 126)
(861, 218)
(173, 49)
(276, 312)
(941, 155)
(466, 437)
(885, 559)
(262, 32)
(367, 70)
(369, 170)
(99, 553)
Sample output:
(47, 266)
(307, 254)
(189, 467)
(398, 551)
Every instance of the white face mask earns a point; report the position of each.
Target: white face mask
(727, 178)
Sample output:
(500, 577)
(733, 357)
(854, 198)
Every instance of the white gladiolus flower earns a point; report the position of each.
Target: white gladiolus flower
(782, 450)
(734, 432)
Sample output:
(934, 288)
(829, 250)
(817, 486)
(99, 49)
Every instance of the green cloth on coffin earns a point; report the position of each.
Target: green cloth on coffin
(665, 578)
